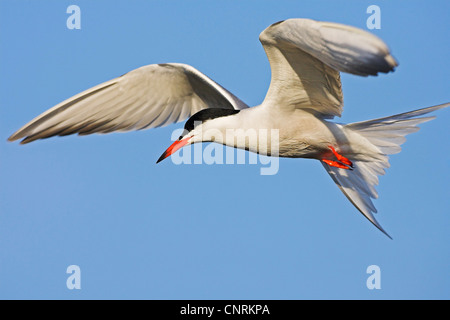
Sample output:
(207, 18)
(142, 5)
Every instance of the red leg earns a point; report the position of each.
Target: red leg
(335, 164)
(341, 158)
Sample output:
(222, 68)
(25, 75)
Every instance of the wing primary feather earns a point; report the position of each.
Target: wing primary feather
(306, 57)
(149, 96)
(53, 112)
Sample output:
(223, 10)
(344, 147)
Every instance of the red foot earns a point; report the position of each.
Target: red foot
(342, 162)
(335, 164)
(341, 158)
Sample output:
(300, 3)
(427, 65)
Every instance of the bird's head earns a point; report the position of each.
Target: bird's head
(195, 126)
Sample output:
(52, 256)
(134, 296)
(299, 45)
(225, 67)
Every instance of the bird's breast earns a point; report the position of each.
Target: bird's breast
(298, 134)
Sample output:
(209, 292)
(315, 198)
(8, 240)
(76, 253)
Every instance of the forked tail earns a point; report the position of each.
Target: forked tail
(387, 134)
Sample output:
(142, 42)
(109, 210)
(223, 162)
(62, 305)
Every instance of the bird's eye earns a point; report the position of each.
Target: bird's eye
(181, 137)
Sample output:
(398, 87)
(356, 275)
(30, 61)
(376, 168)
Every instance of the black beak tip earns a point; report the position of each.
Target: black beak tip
(163, 156)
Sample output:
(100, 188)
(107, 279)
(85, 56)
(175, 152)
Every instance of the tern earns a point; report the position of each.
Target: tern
(306, 58)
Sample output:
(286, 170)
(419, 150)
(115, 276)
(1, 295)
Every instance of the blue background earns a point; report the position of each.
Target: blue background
(144, 231)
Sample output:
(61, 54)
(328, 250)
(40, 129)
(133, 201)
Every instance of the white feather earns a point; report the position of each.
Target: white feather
(147, 97)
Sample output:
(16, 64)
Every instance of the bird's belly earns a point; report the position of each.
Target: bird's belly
(310, 138)
(292, 148)
(301, 135)
(316, 144)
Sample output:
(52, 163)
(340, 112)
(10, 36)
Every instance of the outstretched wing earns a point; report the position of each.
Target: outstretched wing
(358, 185)
(306, 56)
(147, 97)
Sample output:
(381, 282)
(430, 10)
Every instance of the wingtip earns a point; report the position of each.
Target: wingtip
(379, 227)
(12, 137)
(387, 234)
(374, 221)
(16, 136)
(392, 62)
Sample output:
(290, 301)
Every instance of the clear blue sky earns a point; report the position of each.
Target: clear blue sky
(146, 231)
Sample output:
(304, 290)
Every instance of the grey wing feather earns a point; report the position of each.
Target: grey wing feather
(386, 134)
(147, 97)
(306, 57)
(358, 185)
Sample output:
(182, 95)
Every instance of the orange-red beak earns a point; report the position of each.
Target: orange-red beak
(173, 148)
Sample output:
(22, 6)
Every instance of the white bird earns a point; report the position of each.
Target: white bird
(306, 57)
